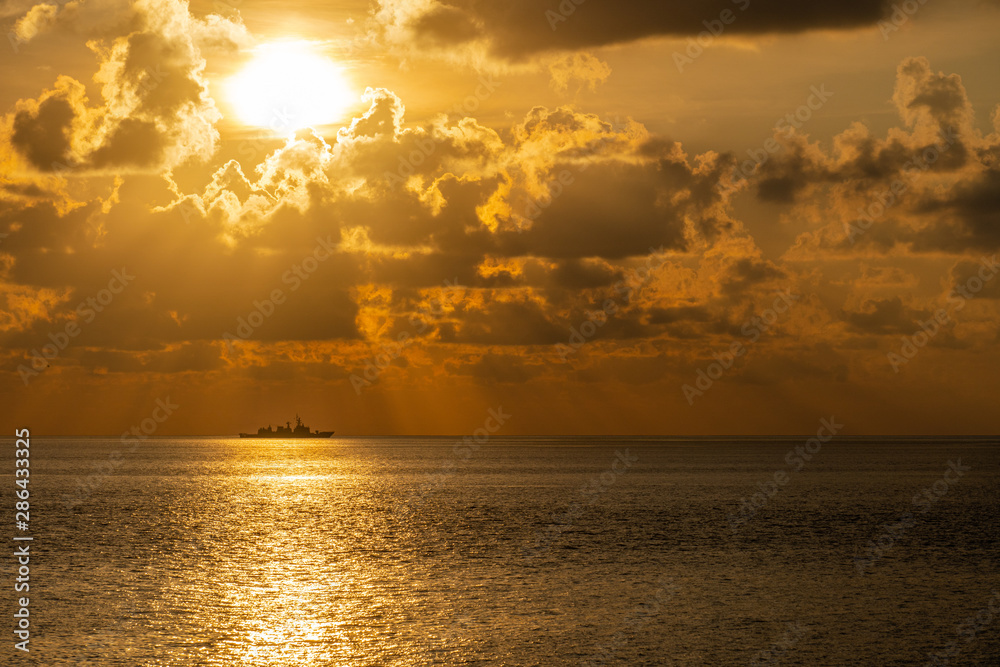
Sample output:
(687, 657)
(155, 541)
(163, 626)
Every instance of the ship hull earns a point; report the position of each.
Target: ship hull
(293, 436)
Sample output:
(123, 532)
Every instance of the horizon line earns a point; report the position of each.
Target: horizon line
(532, 435)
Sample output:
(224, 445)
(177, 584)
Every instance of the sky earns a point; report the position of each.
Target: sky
(392, 217)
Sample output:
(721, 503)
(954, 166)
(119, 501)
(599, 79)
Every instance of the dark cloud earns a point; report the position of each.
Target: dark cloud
(503, 323)
(967, 275)
(520, 28)
(425, 270)
(885, 316)
(679, 314)
(497, 368)
(612, 211)
(748, 272)
(41, 131)
(198, 357)
(444, 24)
(973, 213)
(133, 143)
(582, 274)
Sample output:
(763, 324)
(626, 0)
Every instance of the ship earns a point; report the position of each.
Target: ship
(286, 431)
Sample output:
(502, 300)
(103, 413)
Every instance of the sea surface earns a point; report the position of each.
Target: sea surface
(521, 551)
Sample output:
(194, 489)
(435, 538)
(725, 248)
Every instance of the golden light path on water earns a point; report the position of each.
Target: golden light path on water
(290, 585)
(285, 566)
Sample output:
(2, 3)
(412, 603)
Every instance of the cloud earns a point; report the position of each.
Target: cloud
(38, 19)
(580, 69)
(928, 186)
(155, 111)
(503, 318)
(563, 184)
(934, 109)
(199, 357)
(24, 305)
(518, 29)
(538, 223)
(967, 274)
(77, 18)
(970, 213)
(885, 316)
(43, 130)
(497, 368)
(584, 274)
(676, 314)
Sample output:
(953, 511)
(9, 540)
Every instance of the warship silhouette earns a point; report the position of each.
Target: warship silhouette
(286, 431)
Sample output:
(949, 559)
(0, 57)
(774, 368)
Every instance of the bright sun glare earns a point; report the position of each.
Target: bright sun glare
(288, 86)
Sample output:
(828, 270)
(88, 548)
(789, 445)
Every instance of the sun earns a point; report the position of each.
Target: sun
(288, 86)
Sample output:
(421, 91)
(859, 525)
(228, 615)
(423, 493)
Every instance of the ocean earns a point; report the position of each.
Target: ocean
(512, 551)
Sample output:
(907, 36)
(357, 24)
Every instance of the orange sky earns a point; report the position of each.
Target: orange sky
(390, 217)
